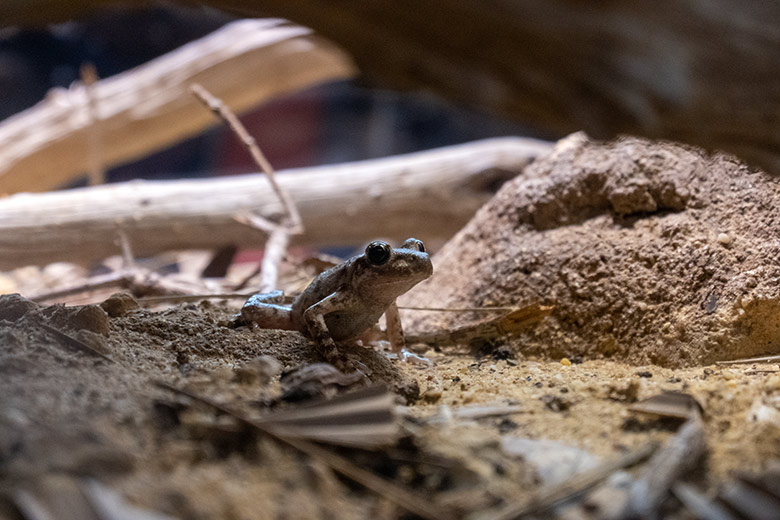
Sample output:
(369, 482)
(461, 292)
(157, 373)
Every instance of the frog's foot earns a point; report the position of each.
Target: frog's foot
(410, 357)
(339, 359)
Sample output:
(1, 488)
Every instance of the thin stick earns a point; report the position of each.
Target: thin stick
(73, 342)
(173, 298)
(576, 485)
(279, 235)
(97, 173)
(93, 284)
(765, 359)
(461, 309)
(221, 110)
(388, 490)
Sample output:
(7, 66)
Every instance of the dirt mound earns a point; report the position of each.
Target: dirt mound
(650, 252)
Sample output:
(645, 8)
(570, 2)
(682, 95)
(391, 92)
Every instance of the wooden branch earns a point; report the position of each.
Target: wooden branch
(147, 108)
(704, 73)
(429, 195)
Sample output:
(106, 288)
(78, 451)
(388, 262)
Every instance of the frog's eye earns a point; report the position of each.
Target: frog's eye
(378, 252)
(413, 243)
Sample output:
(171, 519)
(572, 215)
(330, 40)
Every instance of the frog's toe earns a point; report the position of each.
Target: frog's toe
(410, 357)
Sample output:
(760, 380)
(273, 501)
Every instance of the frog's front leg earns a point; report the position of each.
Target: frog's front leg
(395, 334)
(264, 311)
(314, 318)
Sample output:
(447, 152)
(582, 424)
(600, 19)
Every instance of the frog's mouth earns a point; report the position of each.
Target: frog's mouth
(401, 281)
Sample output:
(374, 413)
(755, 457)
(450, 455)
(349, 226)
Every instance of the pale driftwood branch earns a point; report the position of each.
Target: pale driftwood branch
(149, 107)
(429, 195)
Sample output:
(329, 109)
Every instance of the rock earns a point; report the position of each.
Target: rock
(626, 240)
(119, 304)
(259, 370)
(90, 318)
(14, 306)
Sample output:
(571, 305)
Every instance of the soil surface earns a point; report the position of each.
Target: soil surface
(658, 260)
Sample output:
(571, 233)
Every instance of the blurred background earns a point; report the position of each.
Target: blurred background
(337, 122)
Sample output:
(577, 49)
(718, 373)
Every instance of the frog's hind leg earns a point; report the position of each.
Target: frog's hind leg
(264, 311)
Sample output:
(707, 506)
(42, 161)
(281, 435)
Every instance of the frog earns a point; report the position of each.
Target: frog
(347, 300)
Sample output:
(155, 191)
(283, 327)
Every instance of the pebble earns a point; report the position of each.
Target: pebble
(724, 239)
(432, 395)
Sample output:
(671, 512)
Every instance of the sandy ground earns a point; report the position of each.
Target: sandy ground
(66, 412)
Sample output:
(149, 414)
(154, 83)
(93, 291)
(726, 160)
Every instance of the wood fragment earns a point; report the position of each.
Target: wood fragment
(678, 456)
(365, 418)
(752, 498)
(699, 504)
(669, 404)
(399, 496)
(553, 495)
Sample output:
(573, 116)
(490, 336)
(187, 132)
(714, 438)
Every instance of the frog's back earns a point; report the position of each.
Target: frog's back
(320, 288)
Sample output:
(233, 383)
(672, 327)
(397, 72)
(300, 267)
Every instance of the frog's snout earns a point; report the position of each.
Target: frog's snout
(424, 265)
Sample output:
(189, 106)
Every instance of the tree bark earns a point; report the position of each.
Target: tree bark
(429, 195)
(150, 107)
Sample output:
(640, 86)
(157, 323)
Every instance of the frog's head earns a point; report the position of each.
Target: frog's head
(388, 272)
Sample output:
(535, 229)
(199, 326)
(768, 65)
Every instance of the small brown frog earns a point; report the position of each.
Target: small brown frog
(347, 300)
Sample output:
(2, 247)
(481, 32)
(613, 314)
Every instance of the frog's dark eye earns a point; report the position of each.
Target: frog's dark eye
(378, 252)
(413, 243)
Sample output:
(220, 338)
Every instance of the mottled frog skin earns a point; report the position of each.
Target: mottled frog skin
(347, 300)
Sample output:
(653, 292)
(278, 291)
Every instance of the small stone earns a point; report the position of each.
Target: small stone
(555, 403)
(264, 369)
(92, 318)
(432, 395)
(565, 362)
(724, 239)
(118, 304)
(14, 306)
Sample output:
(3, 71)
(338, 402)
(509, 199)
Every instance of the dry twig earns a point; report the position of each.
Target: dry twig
(279, 234)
